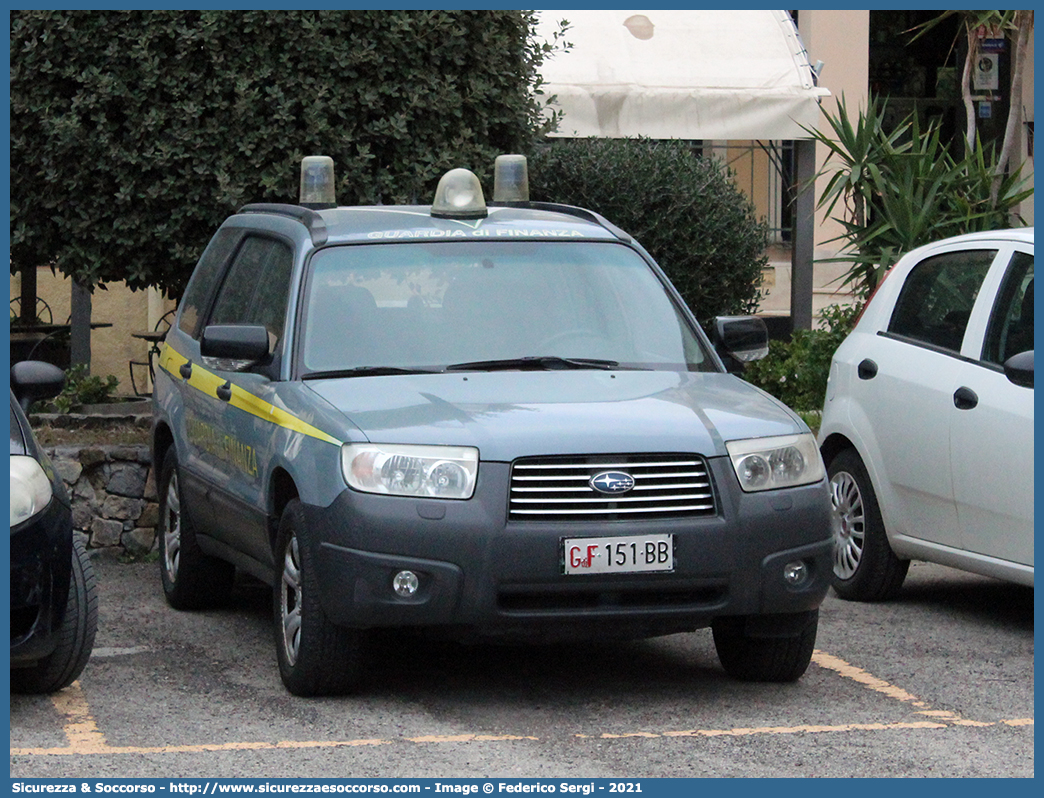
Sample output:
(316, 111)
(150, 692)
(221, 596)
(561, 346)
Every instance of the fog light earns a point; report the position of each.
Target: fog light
(795, 573)
(405, 583)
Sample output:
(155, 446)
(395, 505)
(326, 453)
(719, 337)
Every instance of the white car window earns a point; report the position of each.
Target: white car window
(938, 296)
(1011, 323)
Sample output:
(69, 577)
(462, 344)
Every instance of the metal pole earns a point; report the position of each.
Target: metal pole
(801, 263)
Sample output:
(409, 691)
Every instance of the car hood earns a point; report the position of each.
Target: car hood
(510, 414)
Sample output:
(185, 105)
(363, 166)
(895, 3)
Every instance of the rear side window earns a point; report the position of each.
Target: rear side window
(257, 286)
(1011, 325)
(201, 286)
(937, 298)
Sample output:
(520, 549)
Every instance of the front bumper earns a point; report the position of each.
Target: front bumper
(481, 574)
(41, 562)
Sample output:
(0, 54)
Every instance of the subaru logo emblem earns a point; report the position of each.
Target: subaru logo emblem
(612, 482)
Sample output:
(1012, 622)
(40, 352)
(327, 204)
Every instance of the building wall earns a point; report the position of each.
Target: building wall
(841, 40)
(112, 348)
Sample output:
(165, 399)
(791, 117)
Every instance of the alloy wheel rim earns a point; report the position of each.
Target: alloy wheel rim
(290, 602)
(849, 524)
(172, 530)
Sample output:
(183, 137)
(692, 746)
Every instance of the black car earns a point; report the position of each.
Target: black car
(54, 602)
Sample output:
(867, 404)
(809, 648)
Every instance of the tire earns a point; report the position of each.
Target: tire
(316, 657)
(191, 579)
(75, 637)
(765, 659)
(865, 567)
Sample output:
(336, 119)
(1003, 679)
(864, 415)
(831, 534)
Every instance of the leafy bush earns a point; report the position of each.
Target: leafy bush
(796, 371)
(135, 133)
(82, 388)
(683, 208)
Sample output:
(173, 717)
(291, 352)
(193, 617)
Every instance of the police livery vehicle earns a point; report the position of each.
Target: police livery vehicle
(489, 421)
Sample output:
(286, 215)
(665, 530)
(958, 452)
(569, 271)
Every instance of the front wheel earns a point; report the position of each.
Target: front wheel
(316, 657)
(75, 637)
(756, 658)
(865, 567)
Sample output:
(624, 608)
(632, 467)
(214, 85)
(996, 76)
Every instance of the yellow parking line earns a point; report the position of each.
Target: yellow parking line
(84, 737)
(80, 728)
(808, 729)
(830, 662)
(803, 729)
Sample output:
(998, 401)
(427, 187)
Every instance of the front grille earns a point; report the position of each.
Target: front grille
(558, 488)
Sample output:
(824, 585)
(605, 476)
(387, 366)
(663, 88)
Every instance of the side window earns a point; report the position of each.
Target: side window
(193, 303)
(937, 298)
(1011, 324)
(257, 287)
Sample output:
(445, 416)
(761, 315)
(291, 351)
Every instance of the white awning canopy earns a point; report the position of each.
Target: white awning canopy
(681, 75)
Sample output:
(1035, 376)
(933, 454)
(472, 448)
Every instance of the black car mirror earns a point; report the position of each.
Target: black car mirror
(739, 339)
(235, 342)
(1019, 369)
(34, 380)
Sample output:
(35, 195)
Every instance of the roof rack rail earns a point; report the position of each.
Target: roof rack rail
(306, 216)
(580, 213)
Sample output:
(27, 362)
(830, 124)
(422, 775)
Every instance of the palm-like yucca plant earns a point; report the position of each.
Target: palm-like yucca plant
(901, 188)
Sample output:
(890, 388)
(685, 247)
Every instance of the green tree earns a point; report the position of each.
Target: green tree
(135, 133)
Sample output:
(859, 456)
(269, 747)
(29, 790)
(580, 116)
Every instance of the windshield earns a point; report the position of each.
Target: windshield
(480, 305)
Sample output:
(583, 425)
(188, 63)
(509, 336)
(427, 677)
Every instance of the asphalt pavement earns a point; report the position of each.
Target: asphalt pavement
(936, 683)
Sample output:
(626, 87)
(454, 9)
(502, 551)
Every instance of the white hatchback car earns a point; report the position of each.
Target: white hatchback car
(927, 427)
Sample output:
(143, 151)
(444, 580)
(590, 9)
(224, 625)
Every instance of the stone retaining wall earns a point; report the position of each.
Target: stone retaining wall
(113, 492)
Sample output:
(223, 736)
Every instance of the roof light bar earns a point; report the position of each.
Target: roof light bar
(317, 182)
(511, 179)
(459, 196)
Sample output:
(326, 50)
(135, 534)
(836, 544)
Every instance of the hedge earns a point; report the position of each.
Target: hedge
(684, 208)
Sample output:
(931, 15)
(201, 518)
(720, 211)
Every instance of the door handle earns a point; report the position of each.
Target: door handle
(224, 392)
(965, 399)
(185, 370)
(867, 370)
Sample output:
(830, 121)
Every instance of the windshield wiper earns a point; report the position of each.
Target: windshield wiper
(537, 363)
(366, 371)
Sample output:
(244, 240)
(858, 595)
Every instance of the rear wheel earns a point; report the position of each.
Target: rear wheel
(756, 658)
(316, 657)
(75, 638)
(191, 579)
(865, 567)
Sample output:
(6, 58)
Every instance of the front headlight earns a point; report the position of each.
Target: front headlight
(443, 472)
(30, 488)
(771, 463)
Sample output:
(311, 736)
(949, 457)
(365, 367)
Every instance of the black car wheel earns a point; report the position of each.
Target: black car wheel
(759, 658)
(865, 567)
(191, 579)
(316, 657)
(75, 638)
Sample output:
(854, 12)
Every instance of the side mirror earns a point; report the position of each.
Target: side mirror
(1019, 369)
(33, 380)
(235, 342)
(739, 339)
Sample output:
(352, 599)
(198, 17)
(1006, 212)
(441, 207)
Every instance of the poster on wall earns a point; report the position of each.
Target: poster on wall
(987, 73)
